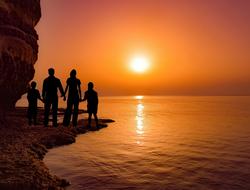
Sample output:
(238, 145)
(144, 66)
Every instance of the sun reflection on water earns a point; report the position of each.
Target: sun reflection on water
(139, 119)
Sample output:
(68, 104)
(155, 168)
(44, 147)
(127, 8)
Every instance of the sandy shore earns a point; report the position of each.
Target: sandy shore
(23, 148)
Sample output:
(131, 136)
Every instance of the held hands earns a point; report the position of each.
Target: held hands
(64, 97)
(42, 99)
(82, 99)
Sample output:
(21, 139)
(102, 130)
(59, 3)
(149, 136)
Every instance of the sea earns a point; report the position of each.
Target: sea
(161, 143)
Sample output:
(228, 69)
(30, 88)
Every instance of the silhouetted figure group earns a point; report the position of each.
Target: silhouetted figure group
(50, 98)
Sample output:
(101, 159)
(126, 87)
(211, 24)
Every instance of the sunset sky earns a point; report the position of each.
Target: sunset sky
(193, 47)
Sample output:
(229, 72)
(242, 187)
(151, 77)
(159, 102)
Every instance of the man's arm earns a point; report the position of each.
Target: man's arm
(61, 88)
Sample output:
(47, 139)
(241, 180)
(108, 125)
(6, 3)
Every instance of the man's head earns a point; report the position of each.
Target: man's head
(51, 72)
(90, 85)
(73, 73)
(33, 84)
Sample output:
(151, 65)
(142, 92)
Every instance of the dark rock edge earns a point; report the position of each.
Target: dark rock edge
(23, 148)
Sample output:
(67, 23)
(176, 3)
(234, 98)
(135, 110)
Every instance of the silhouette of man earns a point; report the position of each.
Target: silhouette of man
(50, 86)
(92, 103)
(74, 96)
(33, 96)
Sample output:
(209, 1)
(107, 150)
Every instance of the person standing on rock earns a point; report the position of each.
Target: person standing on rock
(32, 96)
(74, 96)
(92, 103)
(49, 93)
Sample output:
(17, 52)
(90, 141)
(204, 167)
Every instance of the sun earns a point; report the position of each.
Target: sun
(139, 64)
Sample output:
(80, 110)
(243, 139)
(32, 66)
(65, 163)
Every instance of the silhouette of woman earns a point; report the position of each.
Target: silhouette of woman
(74, 96)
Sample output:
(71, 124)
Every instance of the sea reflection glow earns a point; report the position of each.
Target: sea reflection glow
(139, 120)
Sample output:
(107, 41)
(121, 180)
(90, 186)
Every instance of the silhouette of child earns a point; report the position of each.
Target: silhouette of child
(92, 103)
(33, 96)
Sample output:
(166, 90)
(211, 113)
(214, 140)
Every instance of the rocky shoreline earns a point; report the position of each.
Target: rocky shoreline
(23, 148)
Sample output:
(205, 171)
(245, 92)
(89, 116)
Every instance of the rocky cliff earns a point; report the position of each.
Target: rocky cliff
(18, 48)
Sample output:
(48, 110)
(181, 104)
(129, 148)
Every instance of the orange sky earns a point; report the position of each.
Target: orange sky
(195, 47)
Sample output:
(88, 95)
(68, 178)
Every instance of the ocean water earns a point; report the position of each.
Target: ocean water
(165, 143)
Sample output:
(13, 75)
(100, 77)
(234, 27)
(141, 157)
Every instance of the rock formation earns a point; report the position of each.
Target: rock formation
(18, 48)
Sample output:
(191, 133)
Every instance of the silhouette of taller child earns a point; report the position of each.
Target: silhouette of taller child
(74, 96)
(49, 93)
(32, 96)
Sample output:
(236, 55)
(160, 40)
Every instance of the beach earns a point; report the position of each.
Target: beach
(23, 148)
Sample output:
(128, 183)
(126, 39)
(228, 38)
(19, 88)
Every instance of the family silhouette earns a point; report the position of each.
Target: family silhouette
(51, 85)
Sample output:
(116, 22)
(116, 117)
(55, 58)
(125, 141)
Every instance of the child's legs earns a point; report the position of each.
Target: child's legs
(96, 119)
(29, 114)
(89, 119)
(35, 116)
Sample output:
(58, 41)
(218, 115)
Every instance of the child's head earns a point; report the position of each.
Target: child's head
(33, 84)
(90, 85)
